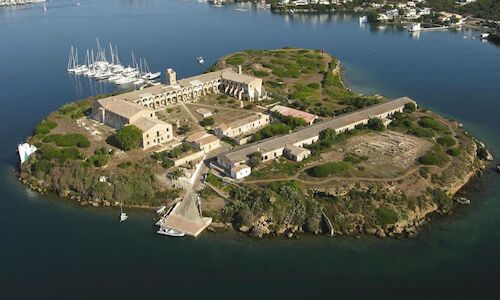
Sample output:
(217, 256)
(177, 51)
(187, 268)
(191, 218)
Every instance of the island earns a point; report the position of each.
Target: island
(266, 142)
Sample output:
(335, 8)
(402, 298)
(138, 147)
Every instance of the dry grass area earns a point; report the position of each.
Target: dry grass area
(221, 114)
(386, 154)
(177, 115)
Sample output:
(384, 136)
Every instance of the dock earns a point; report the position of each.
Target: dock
(186, 216)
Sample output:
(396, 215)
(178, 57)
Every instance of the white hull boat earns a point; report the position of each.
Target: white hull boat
(170, 232)
(139, 82)
(161, 209)
(151, 76)
(125, 80)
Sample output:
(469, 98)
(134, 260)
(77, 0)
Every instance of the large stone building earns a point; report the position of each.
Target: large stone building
(228, 81)
(291, 144)
(118, 113)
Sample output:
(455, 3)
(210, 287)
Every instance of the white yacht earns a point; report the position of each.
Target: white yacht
(161, 209)
(200, 60)
(125, 80)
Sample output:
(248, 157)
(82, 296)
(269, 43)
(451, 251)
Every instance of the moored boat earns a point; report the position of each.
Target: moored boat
(170, 232)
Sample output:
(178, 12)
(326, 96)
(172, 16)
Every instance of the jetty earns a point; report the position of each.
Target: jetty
(186, 216)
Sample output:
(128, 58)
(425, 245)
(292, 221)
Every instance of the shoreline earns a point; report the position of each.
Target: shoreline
(397, 229)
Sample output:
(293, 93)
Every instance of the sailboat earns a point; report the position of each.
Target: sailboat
(148, 75)
(123, 216)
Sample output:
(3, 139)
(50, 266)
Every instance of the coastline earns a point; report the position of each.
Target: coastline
(405, 228)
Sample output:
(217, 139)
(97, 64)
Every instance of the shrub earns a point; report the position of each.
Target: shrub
(428, 122)
(410, 107)
(207, 122)
(385, 216)
(129, 137)
(375, 124)
(99, 160)
(235, 60)
(328, 169)
(433, 158)
(124, 165)
(454, 152)
(271, 130)
(421, 132)
(447, 141)
(68, 140)
(49, 153)
(260, 73)
(254, 159)
(45, 127)
(167, 163)
(41, 167)
(441, 199)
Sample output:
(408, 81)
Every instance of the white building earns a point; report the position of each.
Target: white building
(289, 144)
(25, 150)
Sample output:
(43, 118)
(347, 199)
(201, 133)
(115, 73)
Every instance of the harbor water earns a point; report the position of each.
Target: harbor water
(51, 248)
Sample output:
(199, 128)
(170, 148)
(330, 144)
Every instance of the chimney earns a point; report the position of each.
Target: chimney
(239, 69)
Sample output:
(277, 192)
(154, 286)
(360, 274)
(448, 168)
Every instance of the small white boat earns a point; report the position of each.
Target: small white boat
(115, 78)
(161, 209)
(485, 35)
(123, 216)
(150, 76)
(200, 60)
(363, 19)
(170, 232)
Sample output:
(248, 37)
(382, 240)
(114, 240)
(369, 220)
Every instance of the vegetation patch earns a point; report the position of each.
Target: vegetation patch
(129, 137)
(45, 127)
(68, 140)
(338, 168)
(385, 216)
(433, 158)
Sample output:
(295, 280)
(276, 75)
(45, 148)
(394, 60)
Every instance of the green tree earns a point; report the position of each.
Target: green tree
(207, 121)
(254, 159)
(129, 137)
(375, 124)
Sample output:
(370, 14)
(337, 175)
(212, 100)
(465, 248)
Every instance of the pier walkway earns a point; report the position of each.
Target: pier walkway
(186, 216)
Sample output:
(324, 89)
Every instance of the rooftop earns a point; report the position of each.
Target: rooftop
(120, 107)
(287, 111)
(146, 124)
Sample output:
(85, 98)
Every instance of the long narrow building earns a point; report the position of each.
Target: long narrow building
(234, 161)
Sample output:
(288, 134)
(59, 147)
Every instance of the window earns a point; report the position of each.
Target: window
(147, 136)
(157, 134)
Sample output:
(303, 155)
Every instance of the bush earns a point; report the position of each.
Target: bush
(271, 130)
(129, 137)
(375, 124)
(260, 73)
(254, 159)
(45, 127)
(428, 122)
(385, 216)
(441, 199)
(99, 160)
(433, 158)
(167, 163)
(50, 153)
(454, 152)
(68, 140)
(328, 169)
(207, 122)
(447, 141)
(124, 165)
(41, 167)
(410, 107)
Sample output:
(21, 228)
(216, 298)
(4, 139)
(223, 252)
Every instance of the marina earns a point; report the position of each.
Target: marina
(98, 67)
